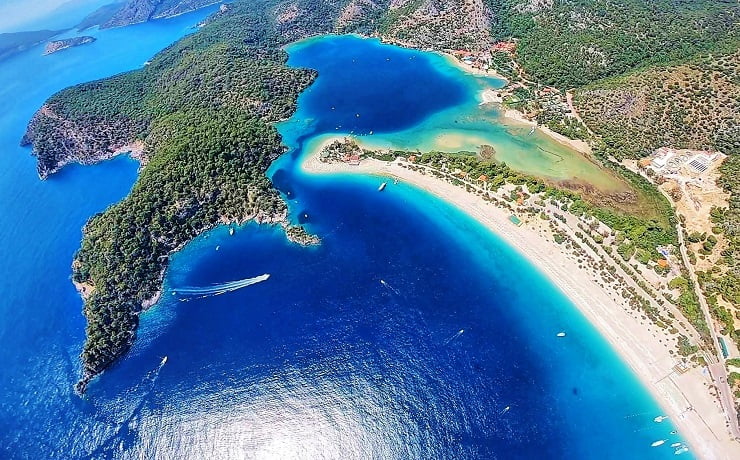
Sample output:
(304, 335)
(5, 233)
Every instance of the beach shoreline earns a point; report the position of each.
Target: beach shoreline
(644, 348)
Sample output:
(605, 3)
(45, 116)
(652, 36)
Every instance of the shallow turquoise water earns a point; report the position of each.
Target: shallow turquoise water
(322, 360)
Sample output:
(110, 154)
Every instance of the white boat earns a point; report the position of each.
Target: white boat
(682, 450)
(382, 186)
(561, 334)
(531, 131)
(660, 418)
(676, 444)
(658, 443)
(231, 231)
(164, 361)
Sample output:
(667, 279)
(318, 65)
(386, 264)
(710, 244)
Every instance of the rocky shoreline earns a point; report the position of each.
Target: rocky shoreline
(294, 233)
(58, 140)
(139, 11)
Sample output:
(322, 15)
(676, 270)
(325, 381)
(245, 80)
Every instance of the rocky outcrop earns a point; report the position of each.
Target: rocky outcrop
(59, 45)
(58, 141)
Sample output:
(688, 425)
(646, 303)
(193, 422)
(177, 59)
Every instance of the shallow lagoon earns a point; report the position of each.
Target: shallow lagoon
(453, 118)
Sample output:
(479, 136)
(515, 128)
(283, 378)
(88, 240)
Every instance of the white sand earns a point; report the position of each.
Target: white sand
(638, 344)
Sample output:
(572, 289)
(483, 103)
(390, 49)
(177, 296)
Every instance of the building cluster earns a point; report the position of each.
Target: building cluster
(552, 101)
(667, 161)
(345, 150)
(484, 60)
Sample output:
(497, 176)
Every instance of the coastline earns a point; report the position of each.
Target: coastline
(643, 347)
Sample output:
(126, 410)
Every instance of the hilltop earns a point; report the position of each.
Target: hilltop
(130, 12)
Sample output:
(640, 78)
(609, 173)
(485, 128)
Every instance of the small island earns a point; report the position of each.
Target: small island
(59, 45)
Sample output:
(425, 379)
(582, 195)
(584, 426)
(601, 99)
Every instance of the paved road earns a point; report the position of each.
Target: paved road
(716, 363)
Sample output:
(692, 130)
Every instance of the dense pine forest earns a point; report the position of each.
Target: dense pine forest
(204, 108)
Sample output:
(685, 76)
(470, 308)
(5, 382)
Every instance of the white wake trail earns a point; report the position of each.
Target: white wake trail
(189, 292)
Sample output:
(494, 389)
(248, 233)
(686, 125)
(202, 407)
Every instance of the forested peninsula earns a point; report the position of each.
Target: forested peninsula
(204, 111)
(200, 119)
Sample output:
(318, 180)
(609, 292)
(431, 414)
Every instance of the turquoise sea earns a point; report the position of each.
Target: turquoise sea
(453, 355)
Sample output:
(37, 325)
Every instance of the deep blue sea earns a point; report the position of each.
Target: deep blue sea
(323, 360)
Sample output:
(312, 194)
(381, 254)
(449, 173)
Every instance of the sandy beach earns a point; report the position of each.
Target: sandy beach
(684, 397)
(465, 67)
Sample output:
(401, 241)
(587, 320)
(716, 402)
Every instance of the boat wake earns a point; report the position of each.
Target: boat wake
(395, 291)
(458, 334)
(129, 420)
(189, 293)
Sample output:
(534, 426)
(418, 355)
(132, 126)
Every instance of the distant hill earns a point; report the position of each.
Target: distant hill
(100, 16)
(15, 42)
(129, 12)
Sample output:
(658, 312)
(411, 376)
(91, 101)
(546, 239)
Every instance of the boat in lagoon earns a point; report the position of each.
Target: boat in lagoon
(560, 334)
(382, 186)
(658, 443)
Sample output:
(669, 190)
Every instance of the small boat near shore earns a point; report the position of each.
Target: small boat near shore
(658, 443)
(382, 186)
(560, 334)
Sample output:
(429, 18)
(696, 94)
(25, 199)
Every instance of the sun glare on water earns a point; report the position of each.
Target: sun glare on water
(283, 421)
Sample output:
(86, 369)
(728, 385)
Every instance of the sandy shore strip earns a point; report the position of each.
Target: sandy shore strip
(576, 144)
(468, 68)
(685, 397)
